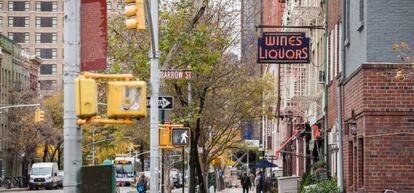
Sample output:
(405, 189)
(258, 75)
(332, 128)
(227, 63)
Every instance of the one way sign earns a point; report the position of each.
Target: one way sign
(164, 102)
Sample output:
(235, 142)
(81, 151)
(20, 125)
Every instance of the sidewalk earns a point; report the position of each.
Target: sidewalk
(232, 190)
(12, 190)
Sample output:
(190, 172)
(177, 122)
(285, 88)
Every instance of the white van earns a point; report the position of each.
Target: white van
(44, 174)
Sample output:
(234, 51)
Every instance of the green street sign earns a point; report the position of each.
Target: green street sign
(180, 136)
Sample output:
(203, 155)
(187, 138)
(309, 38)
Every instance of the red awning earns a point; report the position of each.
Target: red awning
(285, 143)
(316, 132)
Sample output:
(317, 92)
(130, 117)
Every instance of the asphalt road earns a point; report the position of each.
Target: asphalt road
(123, 190)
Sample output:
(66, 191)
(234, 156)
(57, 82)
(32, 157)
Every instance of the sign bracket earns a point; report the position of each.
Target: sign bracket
(292, 27)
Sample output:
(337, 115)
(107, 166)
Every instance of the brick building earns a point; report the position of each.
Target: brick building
(377, 108)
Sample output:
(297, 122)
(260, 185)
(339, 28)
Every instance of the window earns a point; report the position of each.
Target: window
(46, 6)
(20, 37)
(47, 84)
(48, 69)
(45, 37)
(1, 5)
(108, 5)
(19, 6)
(46, 53)
(18, 21)
(1, 22)
(361, 15)
(46, 21)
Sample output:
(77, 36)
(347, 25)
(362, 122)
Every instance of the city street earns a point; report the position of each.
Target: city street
(123, 190)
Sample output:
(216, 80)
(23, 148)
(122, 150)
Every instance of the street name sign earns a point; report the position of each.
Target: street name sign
(180, 136)
(176, 74)
(164, 102)
(283, 47)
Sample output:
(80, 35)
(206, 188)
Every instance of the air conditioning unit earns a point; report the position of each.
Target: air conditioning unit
(321, 77)
(331, 137)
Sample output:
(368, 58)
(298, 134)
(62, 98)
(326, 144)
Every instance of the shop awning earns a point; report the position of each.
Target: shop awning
(316, 132)
(295, 134)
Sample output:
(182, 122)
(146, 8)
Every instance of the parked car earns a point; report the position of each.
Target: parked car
(45, 175)
(176, 179)
(60, 179)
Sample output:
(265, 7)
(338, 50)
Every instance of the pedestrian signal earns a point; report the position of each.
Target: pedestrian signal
(181, 136)
(127, 99)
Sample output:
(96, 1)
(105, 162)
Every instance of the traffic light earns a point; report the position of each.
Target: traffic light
(86, 97)
(127, 99)
(165, 136)
(136, 10)
(39, 116)
(180, 136)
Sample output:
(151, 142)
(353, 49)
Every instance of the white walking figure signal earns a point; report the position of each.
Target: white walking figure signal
(184, 137)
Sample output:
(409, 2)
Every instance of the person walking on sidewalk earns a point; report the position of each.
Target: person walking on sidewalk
(252, 179)
(245, 182)
(260, 182)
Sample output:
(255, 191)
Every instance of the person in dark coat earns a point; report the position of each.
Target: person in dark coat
(260, 182)
(245, 182)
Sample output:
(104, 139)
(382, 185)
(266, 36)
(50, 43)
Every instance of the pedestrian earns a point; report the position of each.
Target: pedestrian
(260, 182)
(252, 179)
(245, 182)
(142, 184)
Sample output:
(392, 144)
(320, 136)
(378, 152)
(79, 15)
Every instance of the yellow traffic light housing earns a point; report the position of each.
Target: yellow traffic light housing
(136, 10)
(42, 116)
(86, 97)
(126, 99)
(39, 116)
(165, 136)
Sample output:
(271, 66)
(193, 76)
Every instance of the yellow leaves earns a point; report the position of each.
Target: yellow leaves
(399, 76)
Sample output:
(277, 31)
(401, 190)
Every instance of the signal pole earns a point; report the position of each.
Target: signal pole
(155, 86)
(72, 134)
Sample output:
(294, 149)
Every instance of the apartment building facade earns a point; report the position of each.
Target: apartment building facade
(37, 25)
(18, 71)
(376, 92)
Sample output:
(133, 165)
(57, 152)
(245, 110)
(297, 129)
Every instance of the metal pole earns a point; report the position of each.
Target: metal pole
(182, 177)
(189, 98)
(19, 106)
(155, 86)
(72, 134)
(247, 168)
(162, 170)
(93, 146)
(325, 125)
(340, 172)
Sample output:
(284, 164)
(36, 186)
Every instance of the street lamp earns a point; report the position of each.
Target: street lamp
(352, 127)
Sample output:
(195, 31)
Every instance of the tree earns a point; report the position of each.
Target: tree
(52, 130)
(198, 35)
(406, 55)
(25, 136)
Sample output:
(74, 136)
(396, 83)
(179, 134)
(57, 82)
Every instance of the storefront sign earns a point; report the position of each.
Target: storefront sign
(283, 47)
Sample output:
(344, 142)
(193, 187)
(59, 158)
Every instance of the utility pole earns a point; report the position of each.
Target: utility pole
(72, 134)
(93, 146)
(155, 86)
